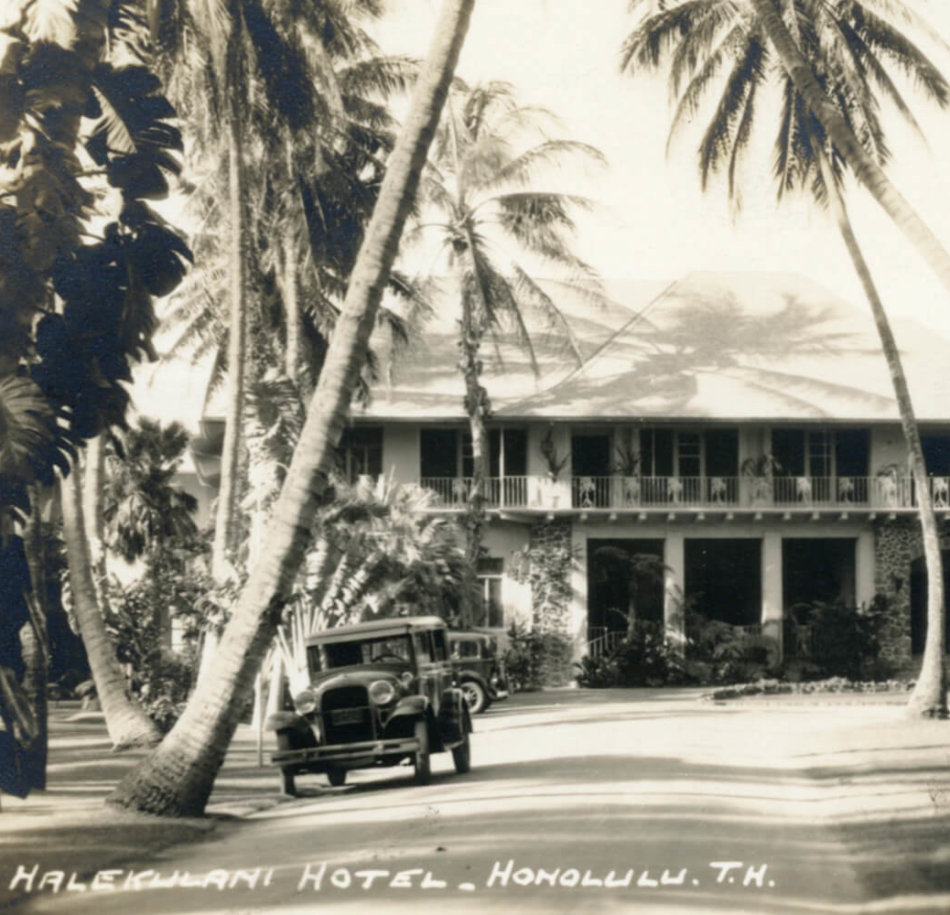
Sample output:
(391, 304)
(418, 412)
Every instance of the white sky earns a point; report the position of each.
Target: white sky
(654, 221)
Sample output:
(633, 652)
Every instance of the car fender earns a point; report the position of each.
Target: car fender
(410, 705)
(454, 721)
(283, 721)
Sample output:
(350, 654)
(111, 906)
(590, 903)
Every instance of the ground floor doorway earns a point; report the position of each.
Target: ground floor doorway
(918, 602)
(624, 579)
(817, 570)
(723, 579)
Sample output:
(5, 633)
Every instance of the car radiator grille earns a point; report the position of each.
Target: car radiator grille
(347, 715)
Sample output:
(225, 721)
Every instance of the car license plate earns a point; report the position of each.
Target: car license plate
(347, 715)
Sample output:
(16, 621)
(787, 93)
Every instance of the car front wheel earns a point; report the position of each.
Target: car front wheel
(475, 697)
(421, 763)
(462, 756)
(336, 776)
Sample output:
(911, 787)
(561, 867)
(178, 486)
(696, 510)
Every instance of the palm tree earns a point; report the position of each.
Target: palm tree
(127, 724)
(177, 778)
(145, 516)
(484, 200)
(76, 301)
(304, 85)
(829, 76)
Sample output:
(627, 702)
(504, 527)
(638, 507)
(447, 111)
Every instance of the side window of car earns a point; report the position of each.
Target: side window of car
(439, 651)
(423, 648)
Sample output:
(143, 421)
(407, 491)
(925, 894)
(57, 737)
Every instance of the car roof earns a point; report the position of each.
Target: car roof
(396, 625)
(469, 635)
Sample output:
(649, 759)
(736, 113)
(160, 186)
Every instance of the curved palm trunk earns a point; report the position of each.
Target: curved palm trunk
(127, 724)
(225, 526)
(865, 169)
(177, 779)
(929, 696)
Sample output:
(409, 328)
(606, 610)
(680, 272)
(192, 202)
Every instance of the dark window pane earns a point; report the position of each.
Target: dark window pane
(438, 453)
(590, 455)
(852, 450)
(722, 452)
(936, 454)
(516, 452)
(788, 449)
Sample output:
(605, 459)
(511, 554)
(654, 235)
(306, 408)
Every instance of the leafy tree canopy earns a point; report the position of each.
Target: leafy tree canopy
(85, 143)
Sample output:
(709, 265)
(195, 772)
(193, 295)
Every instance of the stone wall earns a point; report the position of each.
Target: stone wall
(897, 543)
(551, 559)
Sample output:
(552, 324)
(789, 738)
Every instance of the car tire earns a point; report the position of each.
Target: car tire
(336, 777)
(475, 697)
(462, 756)
(421, 761)
(288, 783)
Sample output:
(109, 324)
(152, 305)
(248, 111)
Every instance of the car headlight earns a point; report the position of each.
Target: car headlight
(305, 702)
(382, 692)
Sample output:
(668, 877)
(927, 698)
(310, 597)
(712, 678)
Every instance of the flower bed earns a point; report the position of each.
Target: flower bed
(810, 687)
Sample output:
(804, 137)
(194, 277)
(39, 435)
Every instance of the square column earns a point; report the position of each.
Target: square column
(772, 598)
(864, 568)
(674, 581)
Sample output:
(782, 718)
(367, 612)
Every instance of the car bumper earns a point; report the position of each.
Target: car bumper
(344, 752)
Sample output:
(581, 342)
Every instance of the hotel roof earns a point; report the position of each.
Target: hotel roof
(711, 346)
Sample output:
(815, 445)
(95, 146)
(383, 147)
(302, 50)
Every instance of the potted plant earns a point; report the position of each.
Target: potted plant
(627, 466)
(760, 471)
(555, 464)
(888, 484)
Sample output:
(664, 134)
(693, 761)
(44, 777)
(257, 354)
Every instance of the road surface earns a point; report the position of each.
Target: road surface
(585, 801)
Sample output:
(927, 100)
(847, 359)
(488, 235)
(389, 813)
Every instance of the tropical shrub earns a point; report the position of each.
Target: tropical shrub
(645, 657)
(136, 617)
(536, 659)
(718, 652)
(845, 641)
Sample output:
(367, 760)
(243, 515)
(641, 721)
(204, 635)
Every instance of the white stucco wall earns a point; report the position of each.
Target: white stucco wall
(401, 452)
(501, 541)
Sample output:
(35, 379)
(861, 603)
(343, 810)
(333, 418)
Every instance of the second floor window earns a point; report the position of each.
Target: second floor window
(821, 452)
(448, 453)
(670, 453)
(361, 452)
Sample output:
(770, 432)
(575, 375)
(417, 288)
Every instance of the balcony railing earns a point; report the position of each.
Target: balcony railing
(499, 492)
(787, 493)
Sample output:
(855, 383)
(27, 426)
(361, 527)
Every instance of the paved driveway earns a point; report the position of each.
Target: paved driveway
(585, 801)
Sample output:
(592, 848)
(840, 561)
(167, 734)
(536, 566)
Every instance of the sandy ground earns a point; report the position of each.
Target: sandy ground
(827, 804)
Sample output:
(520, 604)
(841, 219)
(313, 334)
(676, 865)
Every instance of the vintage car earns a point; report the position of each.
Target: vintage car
(378, 694)
(479, 670)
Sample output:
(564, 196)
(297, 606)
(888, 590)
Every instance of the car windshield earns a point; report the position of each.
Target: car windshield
(393, 648)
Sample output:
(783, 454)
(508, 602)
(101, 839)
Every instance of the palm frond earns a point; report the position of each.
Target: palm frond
(550, 153)
(720, 133)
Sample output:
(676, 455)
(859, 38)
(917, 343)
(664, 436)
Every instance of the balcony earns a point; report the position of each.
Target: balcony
(499, 492)
(669, 494)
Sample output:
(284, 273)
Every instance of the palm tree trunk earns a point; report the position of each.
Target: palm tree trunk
(225, 526)
(476, 405)
(127, 724)
(291, 312)
(865, 169)
(34, 640)
(177, 779)
(929, 696)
